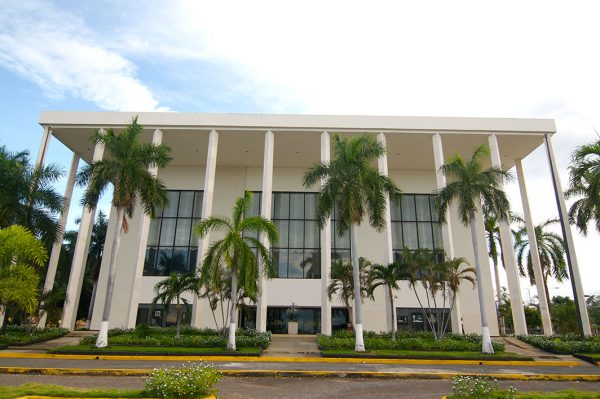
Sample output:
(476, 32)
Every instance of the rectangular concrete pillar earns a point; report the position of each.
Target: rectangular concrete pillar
(535, 255)
(325, 248)
(265, 211)
(508, 251)
(207, 205)
(80, 257)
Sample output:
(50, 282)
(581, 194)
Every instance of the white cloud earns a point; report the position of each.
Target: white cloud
(57, 51)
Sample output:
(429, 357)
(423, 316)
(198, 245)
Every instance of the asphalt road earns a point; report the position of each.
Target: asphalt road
(306, 388)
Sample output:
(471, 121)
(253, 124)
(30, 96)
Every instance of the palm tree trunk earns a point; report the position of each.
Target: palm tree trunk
(486, 340)
(498, 294)
(178, 318)
(547, 293)
(233, 318)
(391, 294)
(359, 345)
(102, 340)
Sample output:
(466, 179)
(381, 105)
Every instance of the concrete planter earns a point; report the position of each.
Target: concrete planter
(292, 327)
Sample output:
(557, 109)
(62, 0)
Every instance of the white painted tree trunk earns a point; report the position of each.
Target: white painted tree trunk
(486, 341)
(359, 345)
(102, 340)
(233, 317)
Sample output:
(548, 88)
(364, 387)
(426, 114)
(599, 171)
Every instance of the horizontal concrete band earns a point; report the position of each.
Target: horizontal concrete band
(543, 363)
(303, 373)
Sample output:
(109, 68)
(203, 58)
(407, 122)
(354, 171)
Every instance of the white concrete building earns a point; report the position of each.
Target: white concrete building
(218, 156)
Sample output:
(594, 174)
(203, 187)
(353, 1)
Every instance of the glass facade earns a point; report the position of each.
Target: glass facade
(297, 254)
(172, 246)
(415, 223)
(340, 244)
(162, 316)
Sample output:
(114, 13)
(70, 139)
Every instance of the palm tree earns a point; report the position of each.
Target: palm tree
(172, 288)
(342, 282)
(21, 253)
(473, 186)
(125, 167)
(27, 195)
(356, 189)
(388, 276)
(454, 274)
(236, 251)
(584, 182)
(494, 242)
(552, 254)
(217, 290)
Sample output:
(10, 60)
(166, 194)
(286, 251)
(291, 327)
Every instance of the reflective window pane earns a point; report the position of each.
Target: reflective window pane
(311, 235)
(182, 233)
(179, 261)
(186, 204)
(280, 262)
(310, 206)
(255, 205)
(171, 209)
(167, 234)
(434, 211)
(295, 264)
(281, 206)
(150, 260)
(283, 227)
(165, 258)
(296, 234)
(410, 235)
(422, 205)
(154, 232)
(198, 205)
(425, 235)
(312, 264)
(296, 206)
(397, 235)
(437, 236)
(408, 207)
(395, 210)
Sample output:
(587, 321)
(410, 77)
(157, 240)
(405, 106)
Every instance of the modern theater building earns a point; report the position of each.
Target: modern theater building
(216, 157)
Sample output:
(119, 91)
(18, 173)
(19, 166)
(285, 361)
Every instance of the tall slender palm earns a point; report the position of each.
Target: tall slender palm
(584, 184)
(172, 288)
(356, 189)
(125, 167)
(389, 276)
(342, 282)
(552, 254)
(494, 242)
(472, 186)
(236, 251)
(27, 195)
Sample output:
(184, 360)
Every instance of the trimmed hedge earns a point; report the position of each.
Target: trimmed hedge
(563, 344)
(190, 337)
(409, 340)
(23, 335)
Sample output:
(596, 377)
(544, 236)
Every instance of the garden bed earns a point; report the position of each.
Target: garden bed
(424, 355)
(21, 335)
(593, 358)
(564, 344)
(417, 341)
(153, 351)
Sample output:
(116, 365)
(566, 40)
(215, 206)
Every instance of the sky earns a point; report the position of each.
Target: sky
(531, 59)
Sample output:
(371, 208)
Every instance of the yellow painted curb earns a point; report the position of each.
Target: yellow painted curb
(306, 373)
(543, 363)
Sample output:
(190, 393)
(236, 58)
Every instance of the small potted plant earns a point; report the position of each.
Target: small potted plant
(292, 316)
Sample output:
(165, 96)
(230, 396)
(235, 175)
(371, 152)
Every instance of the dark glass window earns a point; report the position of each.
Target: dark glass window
(340, 244)
(309, 320)
(297, 254)
(415, 223)
(172, 245)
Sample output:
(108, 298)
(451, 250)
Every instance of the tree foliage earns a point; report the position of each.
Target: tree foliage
(172, 288)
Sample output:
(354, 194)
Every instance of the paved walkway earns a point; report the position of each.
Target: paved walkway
(519, 347)
(293, 346)
(71, 338)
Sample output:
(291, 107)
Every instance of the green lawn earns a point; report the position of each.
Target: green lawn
(589, 357)
(435, 355)
(154, 351)
(10, 392)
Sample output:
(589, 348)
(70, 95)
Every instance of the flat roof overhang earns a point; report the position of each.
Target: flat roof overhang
(297, 142)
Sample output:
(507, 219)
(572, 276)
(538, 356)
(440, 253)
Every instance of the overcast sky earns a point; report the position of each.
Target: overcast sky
(538, 59)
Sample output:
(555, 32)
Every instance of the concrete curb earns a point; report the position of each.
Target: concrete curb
(310, 374)
(16, 355)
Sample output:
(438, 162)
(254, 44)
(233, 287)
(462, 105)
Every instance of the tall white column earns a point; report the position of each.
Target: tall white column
(440, 179)
(265, 211)
(207, 206)
(80, 256)
(382, 163)
(325, 248)
(62, 222)
(576, 283)
(535, 255)
(508, 252)
(136, 284)
(41, 156)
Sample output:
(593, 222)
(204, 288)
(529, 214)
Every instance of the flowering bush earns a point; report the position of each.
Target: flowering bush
(193, 380)
(479, 387)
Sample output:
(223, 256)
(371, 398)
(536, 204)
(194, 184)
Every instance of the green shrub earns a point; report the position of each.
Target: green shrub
(479, 387)
(563, 344)
(19, 334)
(190, 381)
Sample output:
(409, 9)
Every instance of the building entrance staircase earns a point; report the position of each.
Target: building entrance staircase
(283, 345)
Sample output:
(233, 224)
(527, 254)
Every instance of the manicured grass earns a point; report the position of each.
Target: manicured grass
(593, 358)
(154, 351)
(434, 355)
(9, 392)
(21, 335)
(570, 394)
